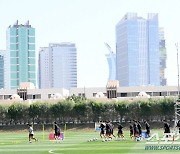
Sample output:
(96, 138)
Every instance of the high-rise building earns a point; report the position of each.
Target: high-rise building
(111, 59)
(1, 71)
(44, 71)
(58, 66)
(21, 48)
(4, 69)
(163, 57)
(137, 50)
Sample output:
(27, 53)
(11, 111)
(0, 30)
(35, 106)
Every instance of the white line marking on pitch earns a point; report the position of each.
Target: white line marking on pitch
(51, 151)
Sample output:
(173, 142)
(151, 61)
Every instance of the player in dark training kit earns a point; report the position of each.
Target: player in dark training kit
(131, 129)
(147, 128)
(102, 127)
(120, 132)
(56, 132)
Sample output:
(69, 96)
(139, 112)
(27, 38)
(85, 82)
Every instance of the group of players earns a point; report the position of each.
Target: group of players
(107, 130)
(135, 129)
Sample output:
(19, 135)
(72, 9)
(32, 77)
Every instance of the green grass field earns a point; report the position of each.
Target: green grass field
(75, 142)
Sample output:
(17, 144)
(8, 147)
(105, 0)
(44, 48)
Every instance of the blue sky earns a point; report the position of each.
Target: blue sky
(90, 23)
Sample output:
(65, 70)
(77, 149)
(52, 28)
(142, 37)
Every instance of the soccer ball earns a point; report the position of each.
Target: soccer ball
(103, 140)
(138, 139)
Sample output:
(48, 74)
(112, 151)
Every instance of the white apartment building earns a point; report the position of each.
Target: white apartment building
(44, 71)
(91, 93)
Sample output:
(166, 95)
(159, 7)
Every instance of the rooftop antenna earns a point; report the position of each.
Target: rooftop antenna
(27, 23)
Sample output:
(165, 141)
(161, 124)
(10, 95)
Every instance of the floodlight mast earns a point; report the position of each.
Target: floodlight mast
(177, 102)
(176, 44)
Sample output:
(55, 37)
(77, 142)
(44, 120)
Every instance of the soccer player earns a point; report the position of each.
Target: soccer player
(102, 126)
(108, 131)
(31, 133)
(120, 132)
(166, 127)
(131, 129)
(147, 128)
(112, 130)
(139, 128)
(57, 131)
(135, 127)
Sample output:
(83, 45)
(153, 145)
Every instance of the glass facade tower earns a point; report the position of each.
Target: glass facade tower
(137, 50)
(4, 69)
(58, 66)
(44, 71)
(163, 57)
(1, 71)
(21, 48)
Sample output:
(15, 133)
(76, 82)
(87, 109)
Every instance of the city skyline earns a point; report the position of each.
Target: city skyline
(65, 22)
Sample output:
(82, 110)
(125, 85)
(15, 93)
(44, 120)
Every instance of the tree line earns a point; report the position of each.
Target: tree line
(77, 109)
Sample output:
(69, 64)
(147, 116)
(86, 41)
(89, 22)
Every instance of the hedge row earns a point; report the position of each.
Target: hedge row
(82, 110)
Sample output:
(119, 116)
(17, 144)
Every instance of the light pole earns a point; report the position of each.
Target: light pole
(176, 44)
(177, 102)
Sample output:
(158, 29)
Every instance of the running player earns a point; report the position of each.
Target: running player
(108, 131)
(57, 132)
(166, 127)
(112, 130)
(131, 129)
(135, 127)
(102, 126)
(139, 128)
(31, 133)
(120, 132)
(147, 129)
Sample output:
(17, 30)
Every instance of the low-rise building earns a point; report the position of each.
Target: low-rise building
(90, 93)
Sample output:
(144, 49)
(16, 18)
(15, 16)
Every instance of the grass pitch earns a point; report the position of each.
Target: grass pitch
(74, 143)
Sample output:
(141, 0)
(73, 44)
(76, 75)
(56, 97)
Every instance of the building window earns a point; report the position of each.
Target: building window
(7, 96)
(29, 96)
(123, 94)
(49, 95)
(37, 96)
(94, 94)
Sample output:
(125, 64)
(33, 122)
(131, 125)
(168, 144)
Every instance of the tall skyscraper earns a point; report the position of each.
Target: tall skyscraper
(58, 66)
(44, 71)
(163, 57)
(21, 48)
(111, 59)
(137, 50)
(4, 69)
